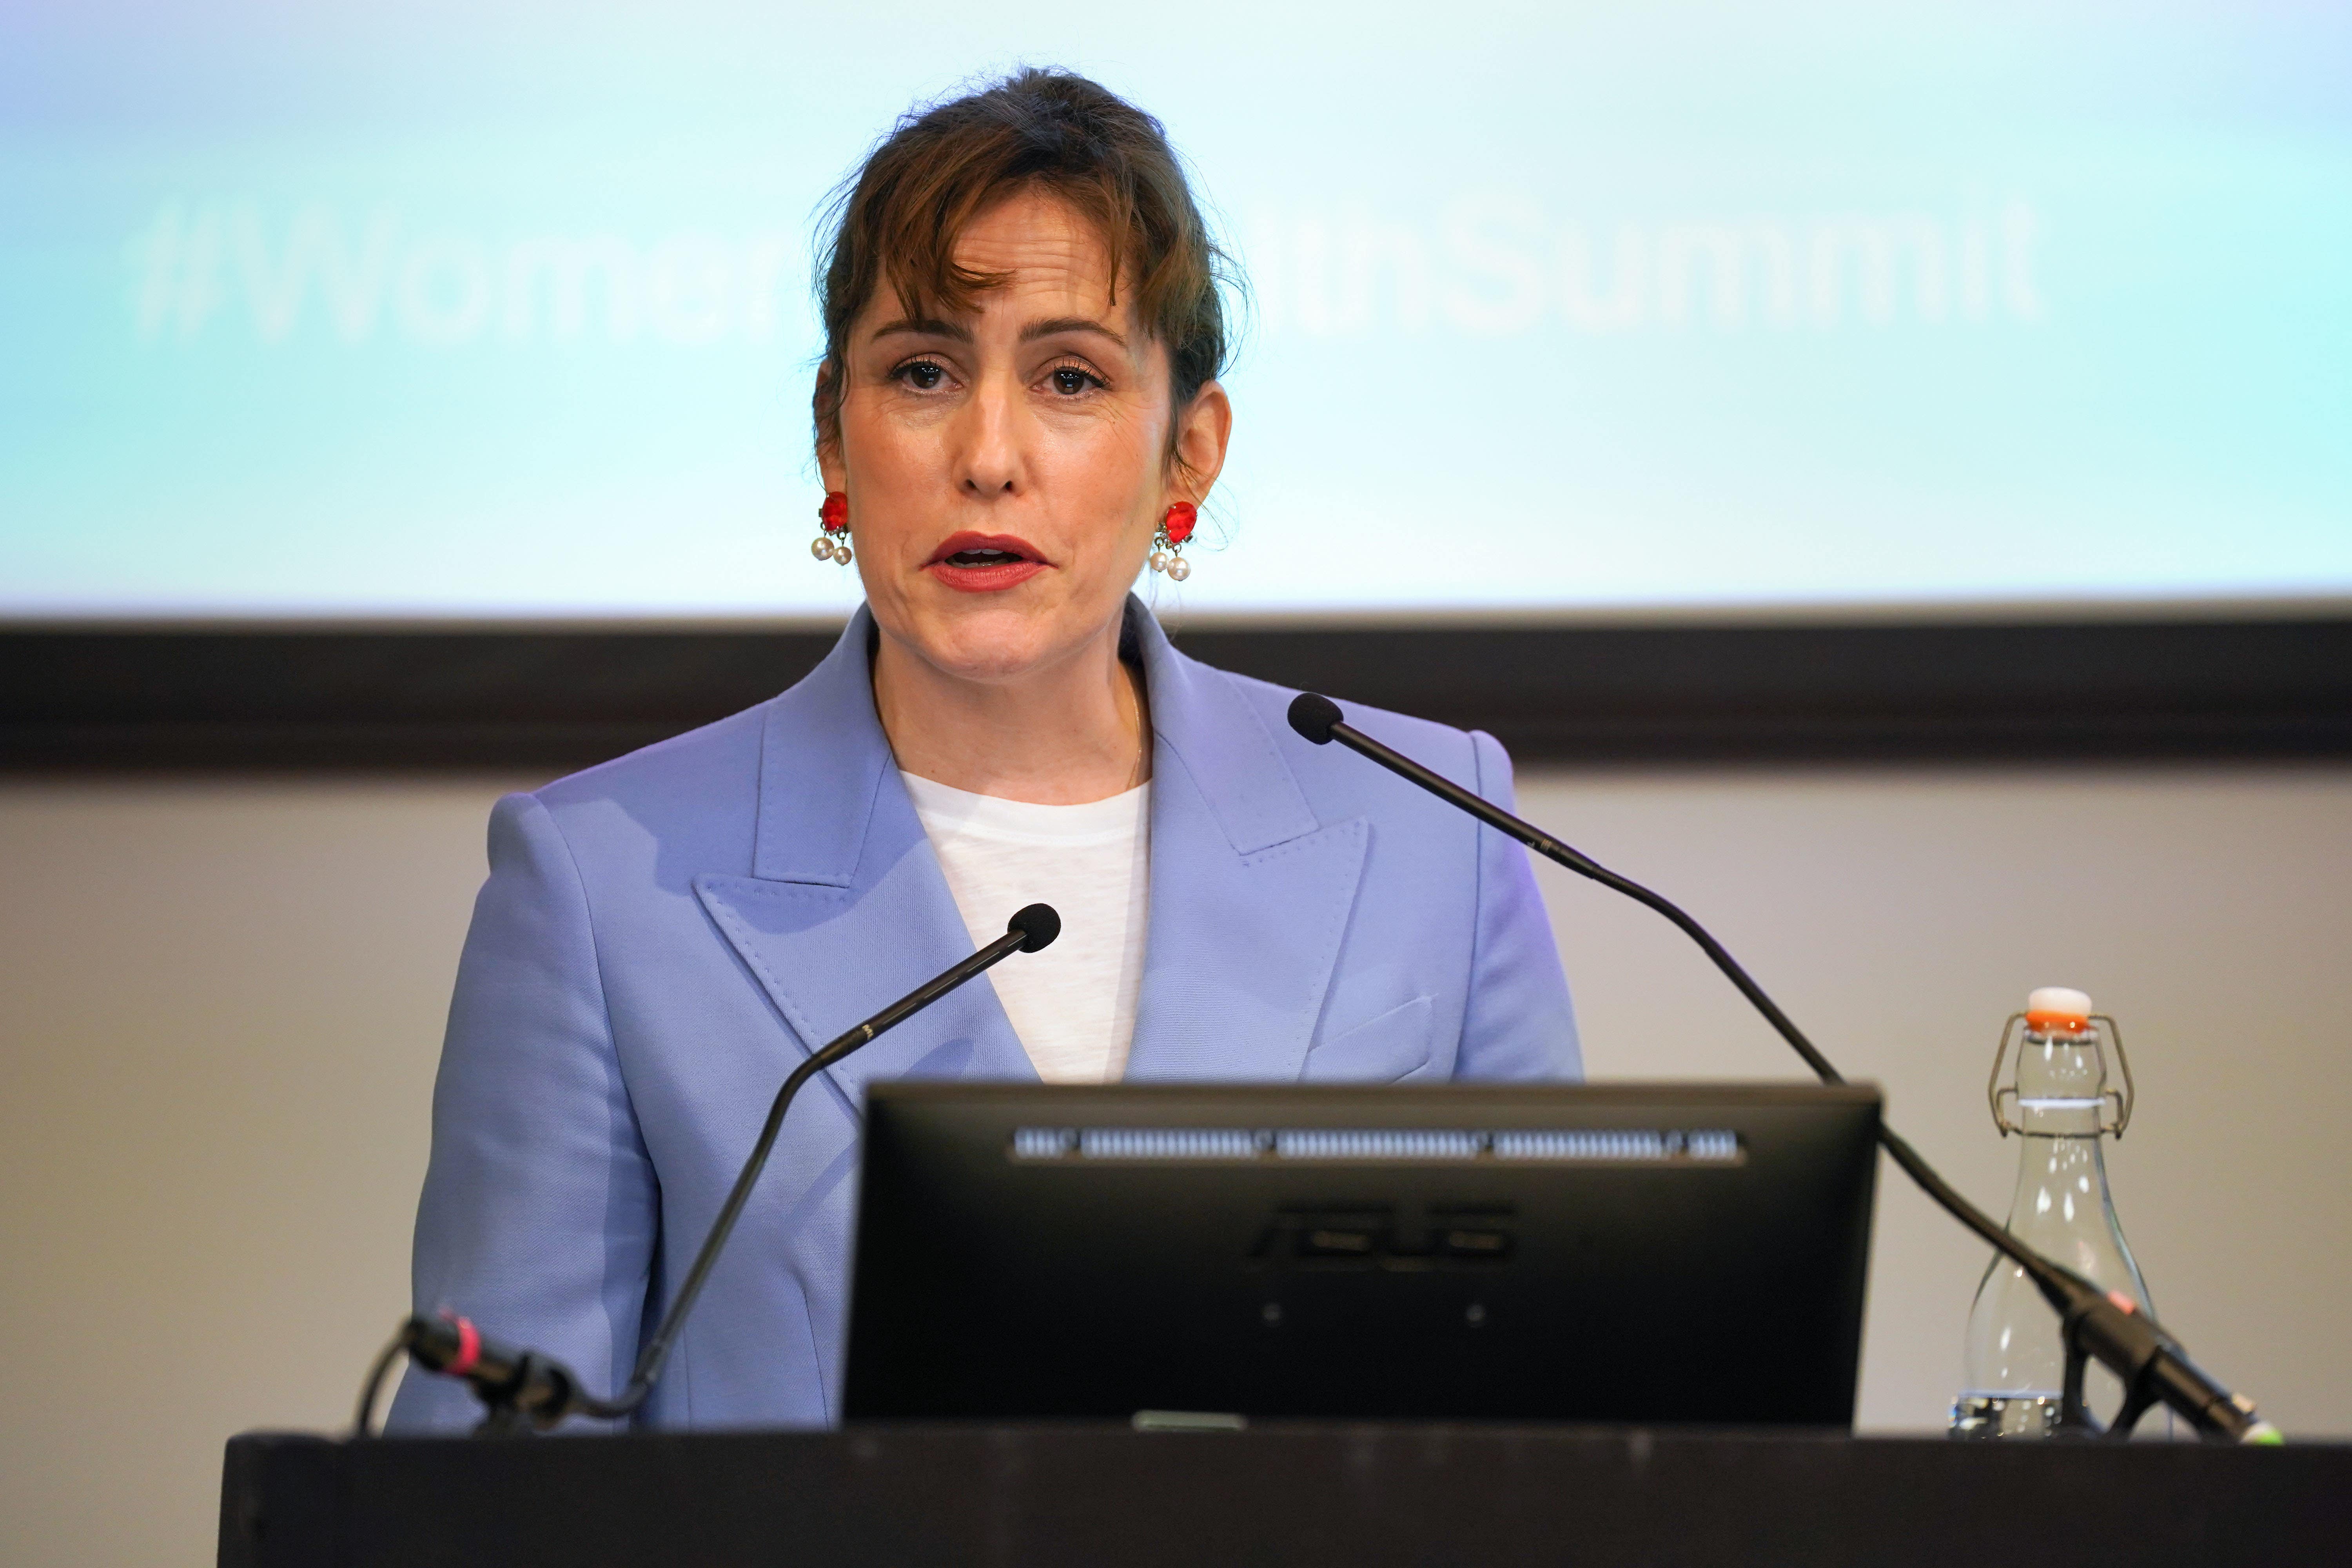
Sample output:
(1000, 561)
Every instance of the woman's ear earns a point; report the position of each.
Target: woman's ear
(1202, 431)
(824, 406)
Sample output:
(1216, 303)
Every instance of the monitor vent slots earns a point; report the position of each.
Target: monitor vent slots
(1435, 1145)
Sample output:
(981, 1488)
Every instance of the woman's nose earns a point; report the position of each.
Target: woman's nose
(989, 456)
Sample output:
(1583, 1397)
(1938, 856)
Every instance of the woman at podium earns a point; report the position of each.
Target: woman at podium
(1016, 415)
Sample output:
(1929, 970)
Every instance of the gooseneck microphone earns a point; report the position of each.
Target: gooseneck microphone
(522, 1389)
(2150, 1362)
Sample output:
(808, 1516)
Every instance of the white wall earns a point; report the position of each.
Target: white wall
(214, 1062)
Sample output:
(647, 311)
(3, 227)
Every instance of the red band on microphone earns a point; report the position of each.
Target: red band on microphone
(469, 1346)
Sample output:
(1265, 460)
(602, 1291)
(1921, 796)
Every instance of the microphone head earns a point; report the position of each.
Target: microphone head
(1312, 715)
(1038, 924)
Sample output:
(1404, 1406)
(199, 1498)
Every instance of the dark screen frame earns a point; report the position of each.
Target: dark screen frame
(549, 700)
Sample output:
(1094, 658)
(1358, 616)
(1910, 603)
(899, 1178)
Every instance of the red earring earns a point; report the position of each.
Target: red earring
(1174, 528)
(833, 516)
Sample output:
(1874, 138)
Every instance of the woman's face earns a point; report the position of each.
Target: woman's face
(1006, 470)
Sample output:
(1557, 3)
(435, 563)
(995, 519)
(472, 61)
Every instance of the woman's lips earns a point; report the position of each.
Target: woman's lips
(985, 562)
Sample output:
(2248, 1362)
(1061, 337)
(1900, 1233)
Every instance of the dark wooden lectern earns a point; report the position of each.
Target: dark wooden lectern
(1361, 1497)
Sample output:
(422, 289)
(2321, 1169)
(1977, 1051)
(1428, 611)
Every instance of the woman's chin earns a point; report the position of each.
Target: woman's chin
(996, 638)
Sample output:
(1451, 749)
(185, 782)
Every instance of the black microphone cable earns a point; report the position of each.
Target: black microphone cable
(521, 1388)
(2150, 1362)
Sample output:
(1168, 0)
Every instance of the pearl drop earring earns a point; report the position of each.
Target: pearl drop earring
(1168, 552)
(833, 517)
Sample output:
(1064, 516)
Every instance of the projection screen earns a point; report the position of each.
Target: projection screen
(501, 310)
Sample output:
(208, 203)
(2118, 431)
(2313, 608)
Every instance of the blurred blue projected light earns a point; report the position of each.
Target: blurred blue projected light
(501, 310)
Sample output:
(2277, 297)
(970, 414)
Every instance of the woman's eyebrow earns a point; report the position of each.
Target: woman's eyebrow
(924, 327)
(1046, 329)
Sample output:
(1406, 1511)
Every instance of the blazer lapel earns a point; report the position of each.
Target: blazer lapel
(845, 909)
(1250, 895)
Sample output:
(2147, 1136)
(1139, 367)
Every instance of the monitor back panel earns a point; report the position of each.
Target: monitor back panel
(1618, 1253)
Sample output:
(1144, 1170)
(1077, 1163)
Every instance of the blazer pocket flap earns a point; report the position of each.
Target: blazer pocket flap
(1382, 1048)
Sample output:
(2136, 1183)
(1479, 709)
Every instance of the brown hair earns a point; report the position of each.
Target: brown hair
(896, 224)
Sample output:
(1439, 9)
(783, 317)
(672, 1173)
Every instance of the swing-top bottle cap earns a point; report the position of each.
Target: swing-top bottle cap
(2058, 1009)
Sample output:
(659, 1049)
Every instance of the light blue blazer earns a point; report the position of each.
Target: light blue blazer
(663, 937)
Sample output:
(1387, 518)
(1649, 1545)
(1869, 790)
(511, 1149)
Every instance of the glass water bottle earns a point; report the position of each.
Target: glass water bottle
(2063, 1105)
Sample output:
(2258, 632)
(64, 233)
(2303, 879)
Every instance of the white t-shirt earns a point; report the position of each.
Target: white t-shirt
(1073, 1005)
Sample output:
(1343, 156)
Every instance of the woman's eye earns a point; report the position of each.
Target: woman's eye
(921, 374)
(1069, 381)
